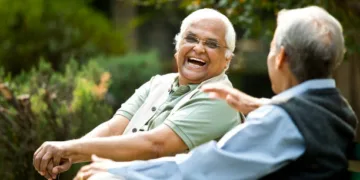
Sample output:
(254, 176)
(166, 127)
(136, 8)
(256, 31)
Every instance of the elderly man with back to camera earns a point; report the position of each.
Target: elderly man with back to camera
(167, 115)
(304, 132)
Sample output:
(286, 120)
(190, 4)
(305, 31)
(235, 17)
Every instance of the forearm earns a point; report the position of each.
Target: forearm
(126, 148)
(112, 127)
(102, 130)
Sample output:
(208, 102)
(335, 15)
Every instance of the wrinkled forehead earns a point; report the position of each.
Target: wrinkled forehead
(207, 28)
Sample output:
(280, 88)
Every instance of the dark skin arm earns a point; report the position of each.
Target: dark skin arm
(158, 142)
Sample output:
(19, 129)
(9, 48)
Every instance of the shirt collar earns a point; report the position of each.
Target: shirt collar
(175, 85)
(304, 86)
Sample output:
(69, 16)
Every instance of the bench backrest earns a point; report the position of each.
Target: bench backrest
(354, 161)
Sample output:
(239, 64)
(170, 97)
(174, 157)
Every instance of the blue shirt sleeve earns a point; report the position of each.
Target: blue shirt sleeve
(267, 141)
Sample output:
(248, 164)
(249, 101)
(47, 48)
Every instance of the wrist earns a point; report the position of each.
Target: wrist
(70, 149)
(76, 151)
(263, 101)
(254, 103)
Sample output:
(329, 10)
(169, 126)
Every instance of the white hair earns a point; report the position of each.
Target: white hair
(230, 35)
(313, 41)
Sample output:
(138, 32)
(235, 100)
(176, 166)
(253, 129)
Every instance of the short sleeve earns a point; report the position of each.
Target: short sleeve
(130, 107)
(202, 119)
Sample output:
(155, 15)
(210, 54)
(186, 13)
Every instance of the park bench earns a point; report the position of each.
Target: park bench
(354, 162)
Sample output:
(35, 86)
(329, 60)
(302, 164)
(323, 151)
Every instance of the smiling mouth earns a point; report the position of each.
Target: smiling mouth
(196, 61)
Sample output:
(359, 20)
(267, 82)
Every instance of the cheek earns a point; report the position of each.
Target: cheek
(184, 49)
(270, 59)
(179, 54)
(218, 59)
(270, 65)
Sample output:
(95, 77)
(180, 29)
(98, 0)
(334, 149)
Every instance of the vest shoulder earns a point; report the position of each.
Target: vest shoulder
(163, 79)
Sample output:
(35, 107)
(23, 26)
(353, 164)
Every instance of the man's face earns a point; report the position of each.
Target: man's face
(201, 53)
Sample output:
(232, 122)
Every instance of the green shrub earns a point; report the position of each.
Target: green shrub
(43, 104)
(46, 105)
(56, 30)
(129, 72)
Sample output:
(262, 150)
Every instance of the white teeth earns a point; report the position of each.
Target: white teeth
(195, 59)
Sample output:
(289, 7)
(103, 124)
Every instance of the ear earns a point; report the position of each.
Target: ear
(280, 58)
(228, 60)
(229, 56)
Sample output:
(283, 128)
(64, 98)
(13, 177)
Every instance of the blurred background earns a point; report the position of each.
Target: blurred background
(67, 65)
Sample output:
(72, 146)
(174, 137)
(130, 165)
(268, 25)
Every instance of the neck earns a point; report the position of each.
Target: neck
(182, 82)
(289, 83)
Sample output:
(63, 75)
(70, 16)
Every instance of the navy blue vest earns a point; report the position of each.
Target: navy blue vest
(327, 124)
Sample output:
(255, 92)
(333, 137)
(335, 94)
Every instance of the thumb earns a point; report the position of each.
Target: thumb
(95, 158)
(62, 168)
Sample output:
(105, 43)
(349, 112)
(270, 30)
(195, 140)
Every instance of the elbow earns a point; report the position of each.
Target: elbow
(156, 146)
(158, 150)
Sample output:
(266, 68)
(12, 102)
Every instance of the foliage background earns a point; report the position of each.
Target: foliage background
(56, 30)
(67, 65)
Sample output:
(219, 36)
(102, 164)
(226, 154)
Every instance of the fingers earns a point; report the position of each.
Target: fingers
(37, 152)
(48, 156)
(82, 172)
(233, 102)
(83, 176)
(234, 93)
(79, 176)
(236, 99)
(220, 91)
(214, 95)
(99, 159)
(56, 160)
(239, 104)
(89, 170)
(46, 174)
(95, 158)
(88, 174)
(49, 168)
(44, 162)
(37, 160)
(215, 89)
(63, 167)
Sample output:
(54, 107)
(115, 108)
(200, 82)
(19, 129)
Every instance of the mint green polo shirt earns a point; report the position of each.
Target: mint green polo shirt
(199, 120)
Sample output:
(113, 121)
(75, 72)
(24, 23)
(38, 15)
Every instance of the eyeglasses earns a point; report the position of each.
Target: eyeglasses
(210, 43)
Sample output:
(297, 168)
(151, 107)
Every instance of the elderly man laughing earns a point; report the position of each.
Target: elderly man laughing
(168, 114)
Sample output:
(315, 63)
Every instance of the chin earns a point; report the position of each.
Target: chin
(193, 77)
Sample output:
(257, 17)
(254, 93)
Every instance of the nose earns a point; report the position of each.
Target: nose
(199, 47)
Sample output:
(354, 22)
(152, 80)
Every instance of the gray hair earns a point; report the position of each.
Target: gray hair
(313, 42)
(230, 35)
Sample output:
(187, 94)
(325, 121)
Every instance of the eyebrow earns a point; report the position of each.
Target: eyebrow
(208, 39)
(213, 40)
(191, 34)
